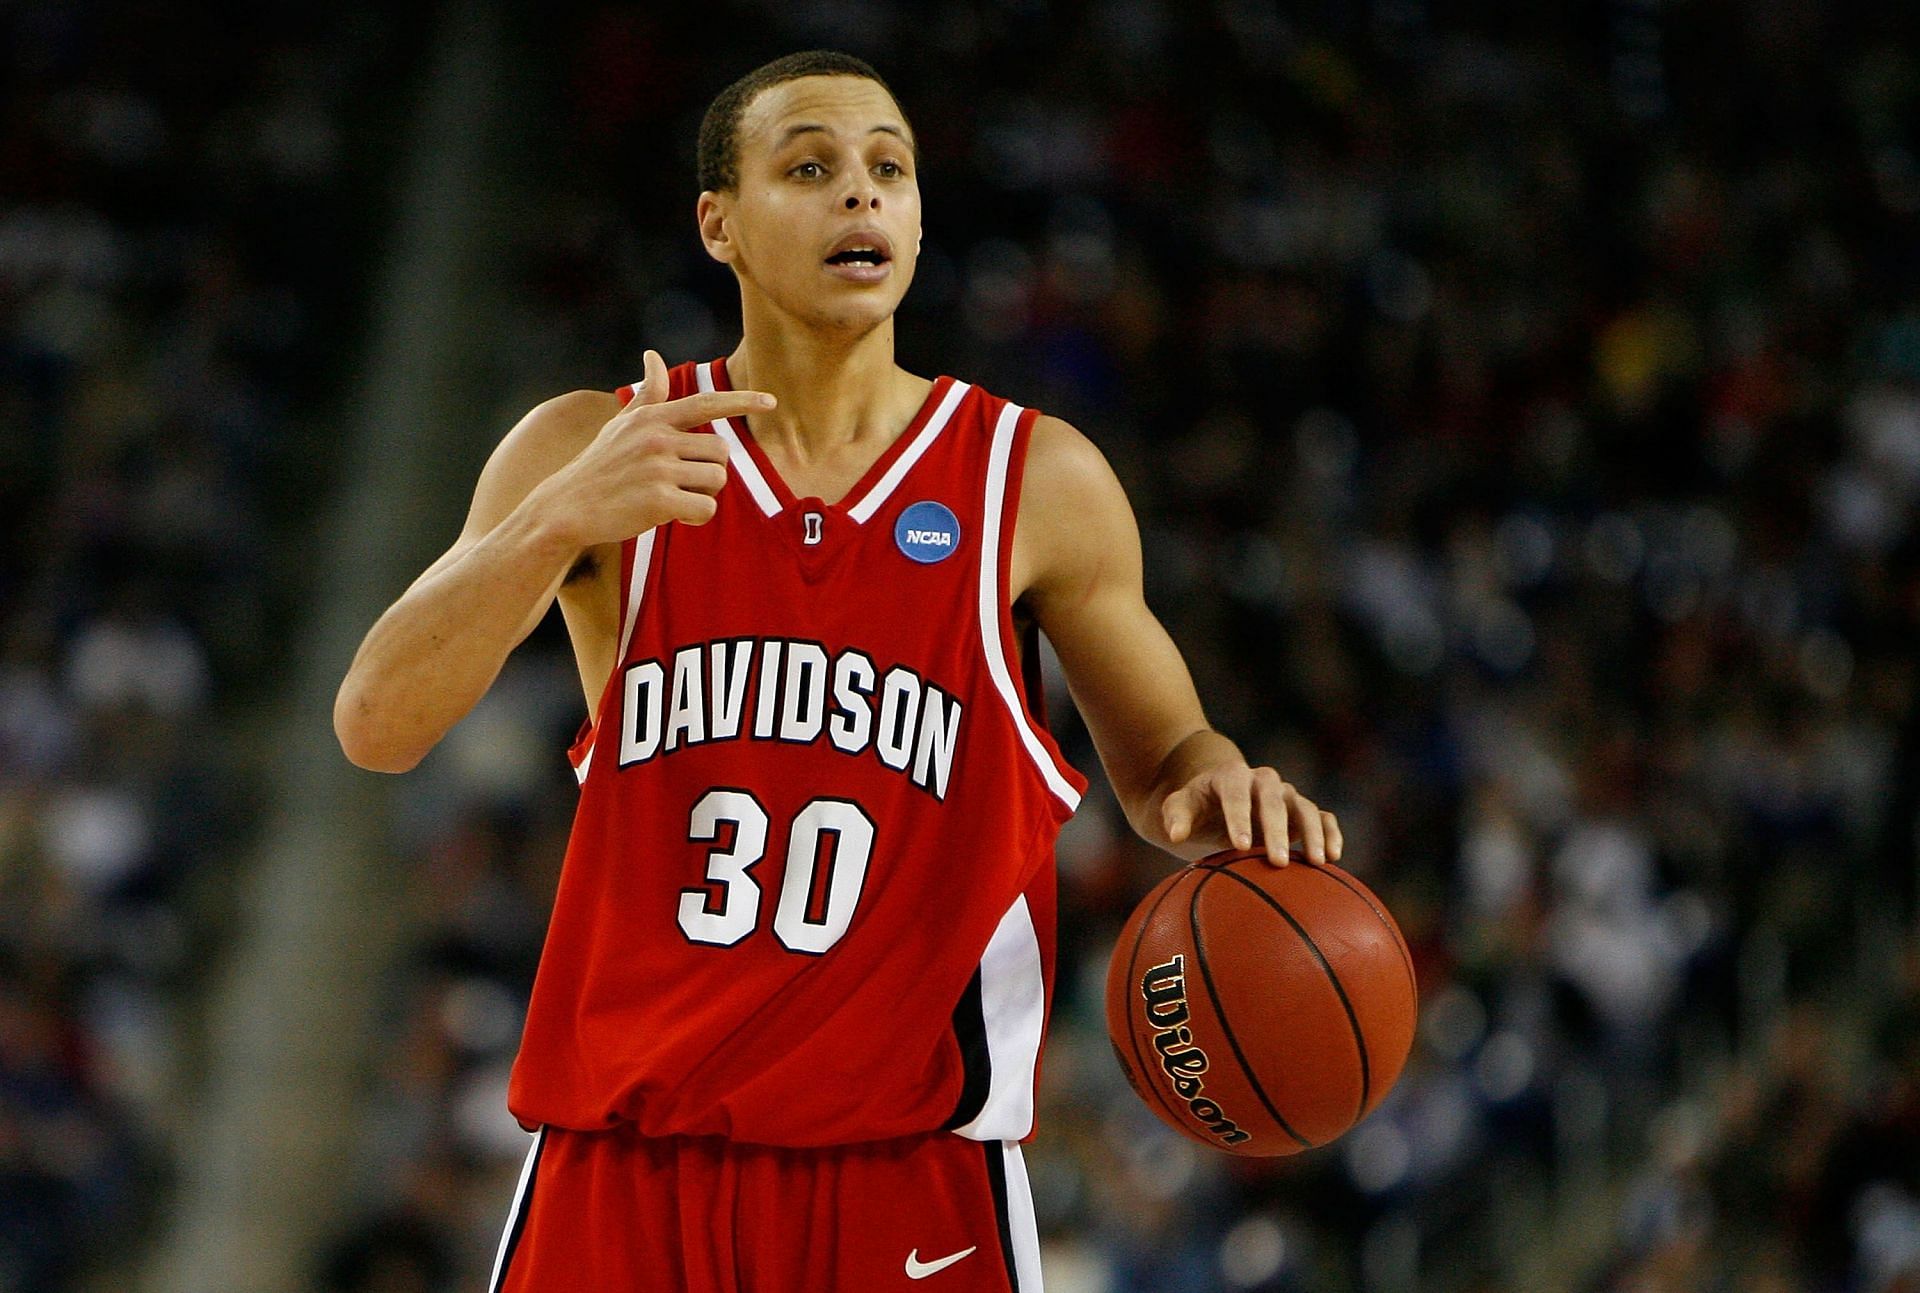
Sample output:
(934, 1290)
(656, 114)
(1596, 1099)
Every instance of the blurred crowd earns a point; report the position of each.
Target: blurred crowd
(1522, 408)
(1523, 412)
(179, 190)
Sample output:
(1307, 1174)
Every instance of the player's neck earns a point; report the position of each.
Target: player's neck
(832, 391)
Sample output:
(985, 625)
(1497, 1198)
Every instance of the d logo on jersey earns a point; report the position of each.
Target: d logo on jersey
(927, 532)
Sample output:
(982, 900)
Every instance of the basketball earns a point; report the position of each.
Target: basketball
(1261, 1010)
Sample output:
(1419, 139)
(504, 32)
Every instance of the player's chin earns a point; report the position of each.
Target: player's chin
(858, 306)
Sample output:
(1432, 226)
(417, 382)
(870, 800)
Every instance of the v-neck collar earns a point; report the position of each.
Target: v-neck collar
(875, 485)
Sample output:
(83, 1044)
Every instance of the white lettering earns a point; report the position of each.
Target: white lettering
(730, 661)
(803, 706)
(852, 723)
(939, 734)
(899, 717)
(769, 690)
(803, 693)
(687, 711)
(640, 712)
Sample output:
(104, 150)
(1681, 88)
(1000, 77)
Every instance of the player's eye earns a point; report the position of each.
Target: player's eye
(890, 170)
(808, 170)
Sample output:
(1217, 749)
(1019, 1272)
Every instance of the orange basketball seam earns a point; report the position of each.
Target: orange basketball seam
(1353, 1020)
(1399, 940)
(1220, 1011)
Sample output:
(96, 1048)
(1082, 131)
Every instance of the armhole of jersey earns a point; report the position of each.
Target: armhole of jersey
(635, 553)
(1006, 469)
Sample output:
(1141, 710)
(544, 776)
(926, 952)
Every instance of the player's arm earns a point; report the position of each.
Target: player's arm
(576, 473)
(1077, 562)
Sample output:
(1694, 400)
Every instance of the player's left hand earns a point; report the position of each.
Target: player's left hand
(1236, 806)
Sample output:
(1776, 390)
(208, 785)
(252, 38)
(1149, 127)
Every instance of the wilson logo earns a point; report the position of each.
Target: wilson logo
(1163, 991)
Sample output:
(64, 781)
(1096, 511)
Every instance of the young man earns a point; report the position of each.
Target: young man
(786, 1025)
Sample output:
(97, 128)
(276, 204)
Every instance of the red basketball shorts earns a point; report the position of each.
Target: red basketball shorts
(616, 1212)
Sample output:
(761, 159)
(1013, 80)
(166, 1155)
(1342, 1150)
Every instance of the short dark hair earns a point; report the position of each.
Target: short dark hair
(719, 154)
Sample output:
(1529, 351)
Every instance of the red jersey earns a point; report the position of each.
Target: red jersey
(809, 894)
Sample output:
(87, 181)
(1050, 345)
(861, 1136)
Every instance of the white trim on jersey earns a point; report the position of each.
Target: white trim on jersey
(1022, 1229)
(743, 464)
(636, 589)
(520, 1202)
(636, 593)
(885, 486)
(1013, 1003)
(990, 607)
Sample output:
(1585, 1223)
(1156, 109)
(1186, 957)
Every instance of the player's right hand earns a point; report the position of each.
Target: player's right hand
(648, 466)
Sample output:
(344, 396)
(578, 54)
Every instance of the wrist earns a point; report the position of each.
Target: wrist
(542, 530)
(1199, 751)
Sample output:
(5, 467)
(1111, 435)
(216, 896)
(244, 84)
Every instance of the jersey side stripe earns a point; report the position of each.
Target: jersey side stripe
(1021, 1221)
(885, 486)
(1013, 1000)
(990, 606)
(636, 592)
(517, 1215)
(737, 454)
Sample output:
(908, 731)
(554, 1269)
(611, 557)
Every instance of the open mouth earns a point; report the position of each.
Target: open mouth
(858, 256)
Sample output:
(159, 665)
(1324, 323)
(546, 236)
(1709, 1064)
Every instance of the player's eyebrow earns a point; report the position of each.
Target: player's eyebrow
(788, 135)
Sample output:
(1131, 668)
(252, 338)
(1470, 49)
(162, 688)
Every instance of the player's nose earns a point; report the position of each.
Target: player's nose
(862, 192)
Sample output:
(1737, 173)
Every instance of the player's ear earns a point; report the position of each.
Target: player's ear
(710, 213)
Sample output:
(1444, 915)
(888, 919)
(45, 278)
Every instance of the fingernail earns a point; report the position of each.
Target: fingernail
(765, 401)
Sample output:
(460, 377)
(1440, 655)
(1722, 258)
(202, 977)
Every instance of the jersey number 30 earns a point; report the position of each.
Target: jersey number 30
(828, 844)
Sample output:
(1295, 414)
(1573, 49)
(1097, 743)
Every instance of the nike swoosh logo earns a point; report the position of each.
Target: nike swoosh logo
(919, 1270)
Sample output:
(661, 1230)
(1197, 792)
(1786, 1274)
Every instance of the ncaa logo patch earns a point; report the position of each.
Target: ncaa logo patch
(927, 532)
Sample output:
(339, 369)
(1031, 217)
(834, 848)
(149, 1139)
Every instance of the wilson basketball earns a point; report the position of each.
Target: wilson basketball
(1262, 1010)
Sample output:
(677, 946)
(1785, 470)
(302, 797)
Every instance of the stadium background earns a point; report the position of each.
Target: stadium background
(1522, 406)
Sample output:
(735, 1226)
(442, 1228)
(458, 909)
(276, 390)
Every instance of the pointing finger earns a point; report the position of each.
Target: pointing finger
(697, 410)
(1334, 840)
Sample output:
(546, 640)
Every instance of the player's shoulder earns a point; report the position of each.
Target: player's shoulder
(1055, 447)
(1065, 468)
(554, 431)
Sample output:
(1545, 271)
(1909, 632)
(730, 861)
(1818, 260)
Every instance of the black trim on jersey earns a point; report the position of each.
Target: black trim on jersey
(976, 1060)
(1032, 677)
(1002, 1216)
(525, 1202)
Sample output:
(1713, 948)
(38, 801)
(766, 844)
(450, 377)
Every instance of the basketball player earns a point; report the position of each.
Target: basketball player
(786, 1026)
